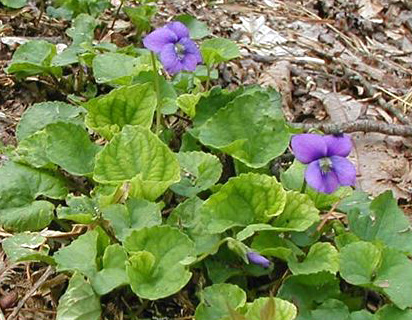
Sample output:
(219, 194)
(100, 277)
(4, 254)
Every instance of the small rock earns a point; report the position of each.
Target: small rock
(8, 300)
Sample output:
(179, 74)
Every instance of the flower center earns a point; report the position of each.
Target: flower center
(180, 50)
(325, 164)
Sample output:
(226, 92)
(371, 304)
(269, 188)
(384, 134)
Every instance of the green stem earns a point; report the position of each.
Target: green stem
(212, 251)
(208, 77)
(304, 185)
(159, 98)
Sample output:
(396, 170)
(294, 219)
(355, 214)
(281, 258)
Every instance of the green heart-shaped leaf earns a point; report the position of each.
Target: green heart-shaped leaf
(132, 105)
(199, 171)
(19, 187)
(219, 50)
(136, 214)
(219, 300)
(33, 57)
(161, 251)
(299, 213)
(261, 309)
(79, 302)
(139, 156)
(39, 115)
(251, 128)
(322, 256)
(80, 255)
(384, 222)
(243, 200)
(21, 247)
(69, 146)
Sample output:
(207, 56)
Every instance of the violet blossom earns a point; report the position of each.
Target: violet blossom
(325, 155)
(257, 259)
(176, 50)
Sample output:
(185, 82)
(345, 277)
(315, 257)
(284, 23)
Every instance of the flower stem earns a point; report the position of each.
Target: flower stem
(211, 251)
(304, 185)
(158, 96)
(208, 77)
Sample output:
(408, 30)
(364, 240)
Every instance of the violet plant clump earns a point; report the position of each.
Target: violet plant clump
(176, 50)
(325, 156)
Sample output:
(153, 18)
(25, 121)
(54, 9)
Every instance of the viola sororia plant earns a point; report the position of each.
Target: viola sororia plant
(172, 183)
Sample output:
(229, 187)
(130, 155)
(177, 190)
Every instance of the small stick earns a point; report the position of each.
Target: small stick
(358, 126)
(116, 15)
(29, 293)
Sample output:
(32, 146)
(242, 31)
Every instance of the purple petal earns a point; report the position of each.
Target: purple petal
(345, 170)
(170, 60)
(256, 258)
(191, 47)
(179, 29)
(338, 145)
(322, 182)
(158, 39)
(189, 62)
(308, 147)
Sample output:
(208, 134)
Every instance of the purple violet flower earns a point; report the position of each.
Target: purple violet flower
(177, 51)
(256, 258)
(326, 155)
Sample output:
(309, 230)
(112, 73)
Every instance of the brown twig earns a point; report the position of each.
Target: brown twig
(29, 293)
(358, 126)
(116, 15)
(370, 90)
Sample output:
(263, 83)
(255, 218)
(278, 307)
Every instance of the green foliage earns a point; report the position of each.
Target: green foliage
(80, 209)
(141, 16)
(321, 257)
(135, 214)
(133, 105)
(82, 34)
(39, 115)
(251, 128)
(298, 215)
(196, 199)
(118, 69)
(218, 50)
(113, 274)
(249, 198)
(21, 247)
(218, 300)
(33, 58)
(199, 171)
(71, 8)
(15, 4)
(79, 302)
(20, 186)
(384, 222)
(69, 146)
(271, 309)
(197, 29)
(84, 249)
(187, 103)
(138, 156)
(386, 270)
(155, 267)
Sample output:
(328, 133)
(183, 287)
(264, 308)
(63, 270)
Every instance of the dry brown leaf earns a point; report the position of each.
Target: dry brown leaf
(369, 8)
(341, 108)
(378, 169)
(278, 76)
